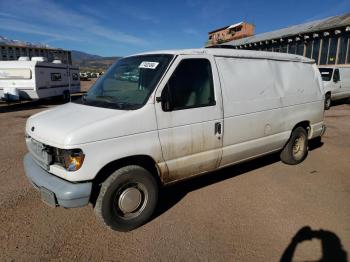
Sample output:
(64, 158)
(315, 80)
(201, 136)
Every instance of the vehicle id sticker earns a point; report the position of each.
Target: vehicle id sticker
(148, 65)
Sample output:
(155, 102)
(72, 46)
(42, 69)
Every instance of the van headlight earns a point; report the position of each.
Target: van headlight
(70, 159)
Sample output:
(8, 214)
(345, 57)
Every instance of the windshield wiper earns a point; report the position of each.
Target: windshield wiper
(107, 98)
(108, 102)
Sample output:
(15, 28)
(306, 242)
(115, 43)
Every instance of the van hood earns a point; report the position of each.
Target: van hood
(73, 124)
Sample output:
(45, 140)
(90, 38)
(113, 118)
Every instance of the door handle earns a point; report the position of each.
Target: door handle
(218, 129)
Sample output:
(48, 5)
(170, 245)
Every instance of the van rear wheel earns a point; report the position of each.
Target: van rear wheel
(295, 151)
(127, 198)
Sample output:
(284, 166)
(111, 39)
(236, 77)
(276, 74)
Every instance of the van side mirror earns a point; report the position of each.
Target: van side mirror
(336, 76)
(165, 99)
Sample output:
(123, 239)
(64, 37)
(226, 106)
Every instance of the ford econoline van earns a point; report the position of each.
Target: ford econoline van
(161, 117)
(336, 81)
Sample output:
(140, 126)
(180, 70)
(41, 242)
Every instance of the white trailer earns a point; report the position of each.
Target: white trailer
(26, 79)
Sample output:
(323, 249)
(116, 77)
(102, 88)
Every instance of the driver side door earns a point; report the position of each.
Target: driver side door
(190, 117)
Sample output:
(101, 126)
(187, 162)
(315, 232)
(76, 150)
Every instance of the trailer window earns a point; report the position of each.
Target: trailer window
(56, 77)
(75, 76)
(15, 73)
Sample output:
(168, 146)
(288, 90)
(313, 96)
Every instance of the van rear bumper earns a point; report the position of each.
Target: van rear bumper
(56, 191)
(323, 130)
(317, 130)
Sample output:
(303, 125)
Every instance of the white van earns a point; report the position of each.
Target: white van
(27, 79)
(336, 81)
(189, 113)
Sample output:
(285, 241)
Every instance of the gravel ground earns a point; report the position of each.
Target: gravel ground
(248, 212)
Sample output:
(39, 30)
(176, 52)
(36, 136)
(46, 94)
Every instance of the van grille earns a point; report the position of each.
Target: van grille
(40, 153)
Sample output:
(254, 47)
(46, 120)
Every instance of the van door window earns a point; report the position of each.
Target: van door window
(191, 85)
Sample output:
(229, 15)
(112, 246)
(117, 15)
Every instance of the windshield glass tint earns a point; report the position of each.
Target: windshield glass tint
(326, 73)
(128, 84)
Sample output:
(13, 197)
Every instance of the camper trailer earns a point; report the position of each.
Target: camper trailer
(27, 79)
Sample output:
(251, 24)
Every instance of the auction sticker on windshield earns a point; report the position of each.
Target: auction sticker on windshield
(148, 65)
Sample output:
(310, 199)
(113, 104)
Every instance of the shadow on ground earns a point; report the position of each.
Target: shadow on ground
(332, 248)
(171, 195)
(344, 101)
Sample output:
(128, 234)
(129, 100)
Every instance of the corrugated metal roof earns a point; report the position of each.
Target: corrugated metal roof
(235, 25)
(318, 25)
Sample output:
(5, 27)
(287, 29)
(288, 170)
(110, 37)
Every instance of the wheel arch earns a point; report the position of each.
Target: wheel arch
(304, 124)
(144, 161)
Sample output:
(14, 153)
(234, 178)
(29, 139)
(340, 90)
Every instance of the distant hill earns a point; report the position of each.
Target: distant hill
(93, 63)
(78, 56)
(86, 62)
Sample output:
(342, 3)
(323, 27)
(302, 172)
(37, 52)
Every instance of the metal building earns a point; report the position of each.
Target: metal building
(12, 50)
(325, 40)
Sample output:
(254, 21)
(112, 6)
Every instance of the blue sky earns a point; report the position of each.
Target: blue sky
(125, 27)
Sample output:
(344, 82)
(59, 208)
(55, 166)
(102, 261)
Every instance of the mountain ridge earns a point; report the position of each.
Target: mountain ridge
(90, 62)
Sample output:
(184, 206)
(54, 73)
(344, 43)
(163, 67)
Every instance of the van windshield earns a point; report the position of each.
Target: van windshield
(128, 83)
(326, 73)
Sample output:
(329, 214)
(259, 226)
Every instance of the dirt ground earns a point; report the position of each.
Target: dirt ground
(254, 211)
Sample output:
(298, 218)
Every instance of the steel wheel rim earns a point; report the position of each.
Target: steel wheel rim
(130, 200)
(328, 102)
(298, 147)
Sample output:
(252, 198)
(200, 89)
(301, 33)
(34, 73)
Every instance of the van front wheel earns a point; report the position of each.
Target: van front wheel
(327, 101)
(295, 151)
(127, 198)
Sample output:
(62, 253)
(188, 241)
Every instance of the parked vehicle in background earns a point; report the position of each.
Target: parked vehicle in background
(84, 77)
(189, 113)
(27, 79)
(336, 82)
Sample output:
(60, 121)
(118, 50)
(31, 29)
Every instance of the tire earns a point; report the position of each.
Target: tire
(127, 198)
(327, 101)
(296, 150)
(66, 96)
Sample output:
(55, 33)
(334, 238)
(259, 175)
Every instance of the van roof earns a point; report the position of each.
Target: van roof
(228, 52)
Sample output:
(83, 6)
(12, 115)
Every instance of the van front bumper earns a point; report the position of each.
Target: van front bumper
(56, 191)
